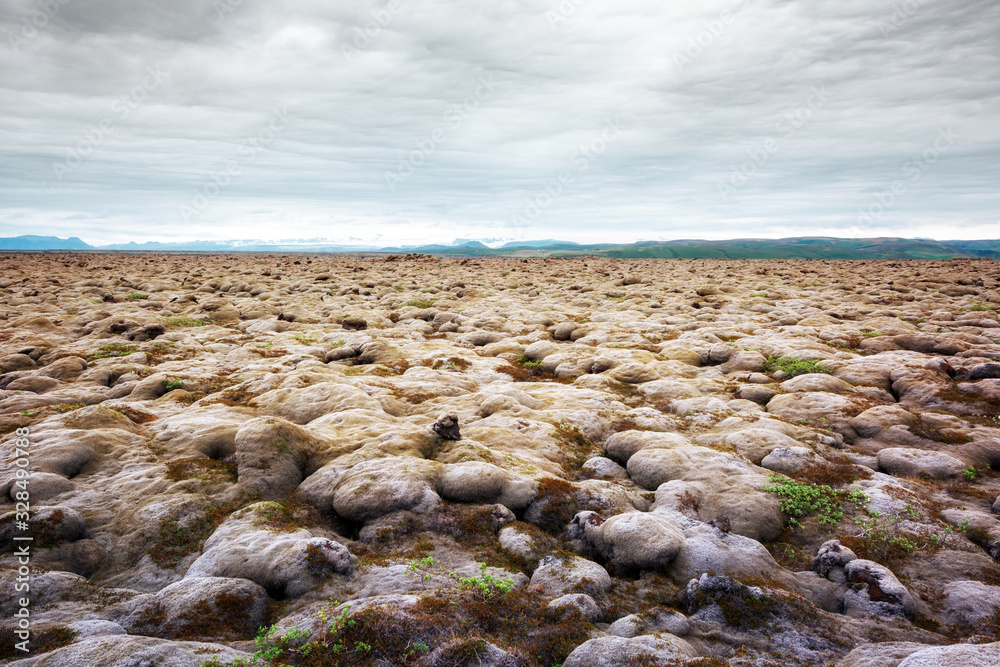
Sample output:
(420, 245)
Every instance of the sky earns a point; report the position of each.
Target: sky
(415, 121)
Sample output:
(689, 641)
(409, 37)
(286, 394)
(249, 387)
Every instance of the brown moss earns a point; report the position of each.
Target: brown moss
(948, 436)
(268, 352)
(136, 415)
(46, 531)
(831, 474)
(285, 516)
(521, 371)
(177, 538)
(556, 504)
(452, 363)
(626, 424)
(233, 398)
(579, 446)
(201, 468)
(475, 528)
(789, 555)
(42, 641)
(628, 394)
(688, 505)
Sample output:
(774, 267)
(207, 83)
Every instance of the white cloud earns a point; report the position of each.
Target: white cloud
(352, 119)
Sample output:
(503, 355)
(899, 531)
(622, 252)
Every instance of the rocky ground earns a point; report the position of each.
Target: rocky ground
(414, 461)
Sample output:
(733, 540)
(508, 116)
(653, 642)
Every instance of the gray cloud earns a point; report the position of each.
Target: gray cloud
(698, 93)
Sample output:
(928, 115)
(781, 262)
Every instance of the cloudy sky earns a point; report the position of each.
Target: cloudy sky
(430, 120)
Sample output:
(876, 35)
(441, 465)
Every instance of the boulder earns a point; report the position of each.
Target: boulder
(970, 603)
(957, 655)
(815, 408)
(622, 652)
(578, 603)
(471, 482)
(301, 406)
(635, 540)
(875, 591)
(664, 391)
(286, 563)
(274, 456)
(557, 575)
(600, 467)
(634, 373)
(883, 654)
(128, 651)
(706, 548)
(816, 382)
(906, 462)
(375, 488)
(622, 445)
(196, 607)
(756, 443)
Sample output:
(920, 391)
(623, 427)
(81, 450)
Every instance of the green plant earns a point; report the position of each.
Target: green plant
(419, 568)
(763, 294)
(881, 539)
(307, 339)
(869, 333)
(792, 366)
(486, 586)
(174, 384)
(982, 306)
(420, 303)
(969, 473)
(136, 296)
(796, 499)
(113, 350)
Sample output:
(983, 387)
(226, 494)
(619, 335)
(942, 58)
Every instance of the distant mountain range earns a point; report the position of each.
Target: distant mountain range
(790, 248)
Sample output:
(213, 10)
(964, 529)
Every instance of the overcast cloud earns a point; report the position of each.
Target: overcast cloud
(430, 120)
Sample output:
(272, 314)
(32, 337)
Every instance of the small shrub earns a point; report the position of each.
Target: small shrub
(486, 586)
(136, 296)
(798, 499)
(793, 366)
(174, 384)
(881, 539)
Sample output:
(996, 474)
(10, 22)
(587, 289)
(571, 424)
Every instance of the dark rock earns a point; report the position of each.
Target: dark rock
(447, 427)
